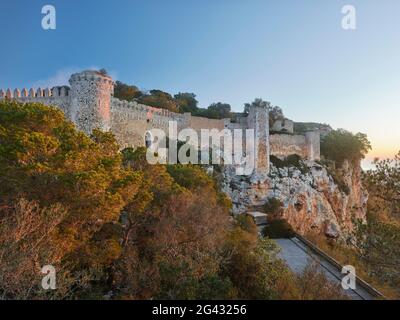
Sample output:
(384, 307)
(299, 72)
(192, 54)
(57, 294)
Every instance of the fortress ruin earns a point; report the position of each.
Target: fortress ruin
(90, 104)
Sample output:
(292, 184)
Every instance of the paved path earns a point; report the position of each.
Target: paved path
(297, 256)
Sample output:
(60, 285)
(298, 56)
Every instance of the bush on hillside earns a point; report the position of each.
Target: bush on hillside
(278, 228)
(341, 145)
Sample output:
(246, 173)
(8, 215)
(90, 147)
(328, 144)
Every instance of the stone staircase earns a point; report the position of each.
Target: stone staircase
(257, 212)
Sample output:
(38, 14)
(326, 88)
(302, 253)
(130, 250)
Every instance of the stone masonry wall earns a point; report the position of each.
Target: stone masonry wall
(306, 146)
(258, 119)
(59, 97)
(283, 125)
(90, 104)
(283, 145)
(130, 121)
(90, 100)
(198, 123)
(313, 140)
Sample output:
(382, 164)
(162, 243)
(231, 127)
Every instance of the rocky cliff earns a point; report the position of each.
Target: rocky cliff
(313, 196)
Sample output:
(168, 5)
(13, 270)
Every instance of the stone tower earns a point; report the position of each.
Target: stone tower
(258, 119)
(91, 100)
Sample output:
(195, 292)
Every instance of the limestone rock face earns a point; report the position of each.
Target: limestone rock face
(331, 230)
(311, 198)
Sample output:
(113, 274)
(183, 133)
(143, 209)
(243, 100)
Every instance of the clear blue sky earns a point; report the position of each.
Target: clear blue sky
(293, 53)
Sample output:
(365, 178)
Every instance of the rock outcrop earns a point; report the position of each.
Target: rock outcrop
(312, 197)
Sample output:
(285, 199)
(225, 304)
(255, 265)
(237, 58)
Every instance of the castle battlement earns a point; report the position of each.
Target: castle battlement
(90, 104)
(32, 93)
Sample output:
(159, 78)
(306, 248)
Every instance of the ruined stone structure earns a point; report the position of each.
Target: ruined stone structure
(307, 146)
(90, 104)
(283, 125)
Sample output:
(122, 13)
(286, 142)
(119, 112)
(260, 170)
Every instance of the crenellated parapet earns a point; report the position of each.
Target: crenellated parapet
(34, 93)
(131, 120)
(92, 76)
(57, 96)
(139, 111)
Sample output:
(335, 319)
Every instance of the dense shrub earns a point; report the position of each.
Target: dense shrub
(303, 127)
(252, 265)
(126, 92)
(314, 285)
(278, 228)
(60, 188)
(246, 222)
(172, 233)
(110, 223)
(341, 145)
(274, 207)
(383, 184)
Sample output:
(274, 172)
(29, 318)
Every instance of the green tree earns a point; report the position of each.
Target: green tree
(379, 249)
(253, 266)
(219, 110)
(126, 92)
(258, 102)
(340, 145)
(186, 102)
(60, 172)
(173, 230)
(383, 184)
(275, 112)
(159, 99)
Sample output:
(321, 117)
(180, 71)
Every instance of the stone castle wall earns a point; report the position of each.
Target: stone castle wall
(90, 104)
(198, 123)
(283, 145)
(283, 125)
(130, 121)
(58, 97)
(306, 146)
